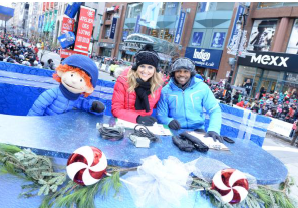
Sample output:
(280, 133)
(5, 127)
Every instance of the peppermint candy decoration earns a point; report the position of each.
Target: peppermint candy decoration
(86, 165)
(231, 184)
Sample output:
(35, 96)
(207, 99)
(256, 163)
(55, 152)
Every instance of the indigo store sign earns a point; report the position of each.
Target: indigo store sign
(207, 58)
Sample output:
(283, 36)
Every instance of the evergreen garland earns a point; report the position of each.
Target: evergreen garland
(61, 192)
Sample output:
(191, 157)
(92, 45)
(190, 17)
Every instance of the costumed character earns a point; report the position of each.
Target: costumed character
(77, 75)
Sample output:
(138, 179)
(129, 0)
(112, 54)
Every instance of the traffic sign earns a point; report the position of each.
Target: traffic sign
(67, 25)
(84, 30)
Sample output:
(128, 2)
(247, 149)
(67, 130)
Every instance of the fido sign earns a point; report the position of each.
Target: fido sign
(67, 25)
(84, 31)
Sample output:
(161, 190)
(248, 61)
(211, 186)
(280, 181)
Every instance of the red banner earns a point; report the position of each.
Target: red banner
(64, 53)
(67, 25)
(47, 5)
(44, 5)
(85, 28)
(51, 5)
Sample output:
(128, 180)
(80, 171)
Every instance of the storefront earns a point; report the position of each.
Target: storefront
(275, 71)
(105, 49)
(206, 60)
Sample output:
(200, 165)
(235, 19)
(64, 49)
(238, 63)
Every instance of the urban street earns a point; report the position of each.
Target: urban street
(149, 104)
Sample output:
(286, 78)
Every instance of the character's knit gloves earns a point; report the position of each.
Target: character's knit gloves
(183, 144)
(214, 135)
(175, 125)
(146, 120)
(97, 107)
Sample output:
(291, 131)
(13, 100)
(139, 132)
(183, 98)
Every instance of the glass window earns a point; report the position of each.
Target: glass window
(169, 35)
(162, 9)
(171, 8)
(133, 10)
(293, 42)
(276, 4)
(220, 6)
(262, 35)
(276, 75)
(202, 7)
(245, 72)
(269, 4)
(107, 31)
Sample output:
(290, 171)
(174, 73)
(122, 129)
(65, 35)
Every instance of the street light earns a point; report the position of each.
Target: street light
(233, 61)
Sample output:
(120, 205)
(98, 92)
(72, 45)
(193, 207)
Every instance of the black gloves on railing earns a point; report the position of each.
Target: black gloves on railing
(146, 120)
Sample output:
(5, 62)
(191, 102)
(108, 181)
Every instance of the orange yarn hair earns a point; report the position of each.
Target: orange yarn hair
(84, 75)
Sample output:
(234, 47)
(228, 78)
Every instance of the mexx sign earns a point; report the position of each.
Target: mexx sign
(270, 60)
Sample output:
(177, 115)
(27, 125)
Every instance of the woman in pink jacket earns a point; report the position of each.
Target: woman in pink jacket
(137, 89)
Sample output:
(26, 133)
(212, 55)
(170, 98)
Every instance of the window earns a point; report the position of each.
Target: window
(276, 4)
(109, 16)
(223, 6)
(171, 8)
(293, 42)
(107, 31)
(215, 6)
(133, 10)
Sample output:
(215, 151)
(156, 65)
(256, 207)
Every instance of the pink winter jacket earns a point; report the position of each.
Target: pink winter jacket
(123, 102)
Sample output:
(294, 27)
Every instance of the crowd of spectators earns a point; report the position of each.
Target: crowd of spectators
(279, 105)
(13, 50)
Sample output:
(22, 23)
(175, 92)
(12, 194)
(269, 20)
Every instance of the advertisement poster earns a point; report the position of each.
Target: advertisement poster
(293, 42)
(197, 38)
(113, 28)
(180, 27)
(202, 57)
(137, 25)
(64, 53)
(67, 25)
(218, 39)
(150, 14)
(240, 11)
(85, 28)
(262, 35)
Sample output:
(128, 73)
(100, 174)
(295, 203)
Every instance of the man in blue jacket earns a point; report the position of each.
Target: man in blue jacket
(183, 99)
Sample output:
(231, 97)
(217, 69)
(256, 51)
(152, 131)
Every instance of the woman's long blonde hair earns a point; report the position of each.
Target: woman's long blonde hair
(155, 81)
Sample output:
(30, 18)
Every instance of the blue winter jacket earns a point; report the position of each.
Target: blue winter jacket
(187, 106)
(52, 102)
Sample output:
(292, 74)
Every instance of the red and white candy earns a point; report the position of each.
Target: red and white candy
(231, 184)
(86, 165)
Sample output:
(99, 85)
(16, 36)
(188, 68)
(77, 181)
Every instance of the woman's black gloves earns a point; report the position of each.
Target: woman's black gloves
(97, 107)
(214, 135)
(175, 125)
(146, 120)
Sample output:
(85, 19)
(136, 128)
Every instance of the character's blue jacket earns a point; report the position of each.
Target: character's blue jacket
(187, 106)
(53, 102)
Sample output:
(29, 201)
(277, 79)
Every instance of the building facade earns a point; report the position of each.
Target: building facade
(272, 34)
(204, 31)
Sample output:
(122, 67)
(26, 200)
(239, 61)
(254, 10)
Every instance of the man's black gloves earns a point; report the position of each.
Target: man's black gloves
(146, 120)
(183, 144)
(97, 107)
(175, 125)
(214, 135)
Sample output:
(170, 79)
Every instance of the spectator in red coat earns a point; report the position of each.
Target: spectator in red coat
(240, 104)
(36, 50)
(137, 89)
